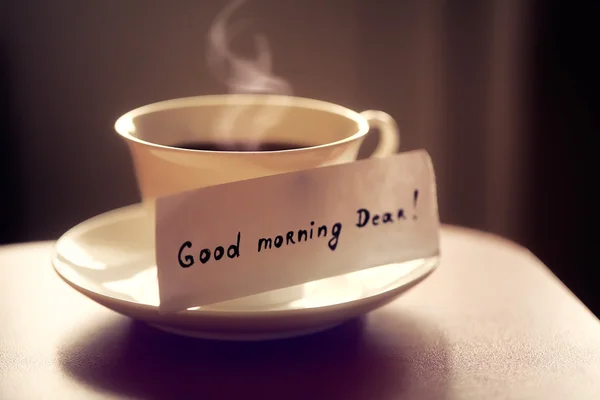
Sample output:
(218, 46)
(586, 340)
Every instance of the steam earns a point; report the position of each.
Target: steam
(243, 75)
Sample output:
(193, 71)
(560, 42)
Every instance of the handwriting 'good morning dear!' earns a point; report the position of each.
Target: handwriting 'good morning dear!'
(331, 234)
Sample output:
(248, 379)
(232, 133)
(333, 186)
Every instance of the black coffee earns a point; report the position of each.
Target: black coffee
(239, 145)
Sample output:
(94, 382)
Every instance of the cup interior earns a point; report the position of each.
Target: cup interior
(246, 118)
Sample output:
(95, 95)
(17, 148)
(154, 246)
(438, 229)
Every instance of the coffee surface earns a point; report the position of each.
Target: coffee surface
(239, 145)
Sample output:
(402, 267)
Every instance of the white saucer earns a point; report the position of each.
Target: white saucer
(110, 259)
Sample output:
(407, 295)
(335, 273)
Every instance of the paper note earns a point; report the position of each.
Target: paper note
(238, 239)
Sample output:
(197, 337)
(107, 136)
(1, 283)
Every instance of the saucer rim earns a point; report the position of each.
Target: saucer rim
(130, 211)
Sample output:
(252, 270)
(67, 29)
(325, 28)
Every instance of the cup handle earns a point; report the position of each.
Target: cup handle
(389, 135)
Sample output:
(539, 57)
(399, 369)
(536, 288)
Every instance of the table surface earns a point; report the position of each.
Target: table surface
(491, 323)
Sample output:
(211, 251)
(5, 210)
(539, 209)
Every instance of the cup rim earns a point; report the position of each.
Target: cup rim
(124, 123)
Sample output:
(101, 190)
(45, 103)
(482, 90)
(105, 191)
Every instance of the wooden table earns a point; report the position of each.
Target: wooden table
(491, 323)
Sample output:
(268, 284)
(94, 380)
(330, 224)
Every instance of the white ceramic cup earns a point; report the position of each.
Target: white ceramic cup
(327, 133)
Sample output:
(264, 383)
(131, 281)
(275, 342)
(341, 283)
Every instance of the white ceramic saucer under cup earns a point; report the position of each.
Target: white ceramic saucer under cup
(110, 259)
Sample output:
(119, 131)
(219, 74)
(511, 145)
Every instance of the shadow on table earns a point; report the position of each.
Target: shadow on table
(408, 359)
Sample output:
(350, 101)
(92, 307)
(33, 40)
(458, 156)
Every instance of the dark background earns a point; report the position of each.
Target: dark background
(69, 69)
(565, 118)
